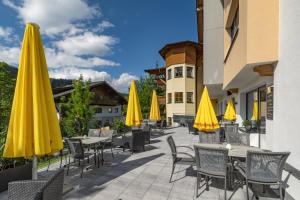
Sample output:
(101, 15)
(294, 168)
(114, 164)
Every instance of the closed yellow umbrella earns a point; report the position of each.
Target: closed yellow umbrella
(33, 127)
(134, 114)
(206, 119)
(230, 111)
(154, 110)
(255, 111)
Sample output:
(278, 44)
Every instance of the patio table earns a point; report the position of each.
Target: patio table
(236, 151)
(93, 141)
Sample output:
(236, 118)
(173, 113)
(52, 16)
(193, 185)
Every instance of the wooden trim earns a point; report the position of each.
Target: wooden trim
(264, 70)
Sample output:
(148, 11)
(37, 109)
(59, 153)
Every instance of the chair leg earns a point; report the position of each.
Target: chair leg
(281, 192)
(206, 182)
(61, 159)
(111, 149)
(247, 189)
(173, 168)
(198, 179)
(49, 162)
(225, 188)
(69, 166)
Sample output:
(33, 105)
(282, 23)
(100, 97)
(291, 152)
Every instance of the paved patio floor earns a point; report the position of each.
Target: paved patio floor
(144, 176)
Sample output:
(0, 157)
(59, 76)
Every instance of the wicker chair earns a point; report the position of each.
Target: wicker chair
(234, 137)
(147, 134)
(137, 140)
(190, 125)
(209, 137)
(211, 162)
(110, 134)
(62, 153)
(44, 189)
(77, 152)
(263, 168)
(177, 159)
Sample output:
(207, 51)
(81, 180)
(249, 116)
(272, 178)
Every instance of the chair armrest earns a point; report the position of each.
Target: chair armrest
(187, 154)
(26, 189)
(238, 166)
(185, 147)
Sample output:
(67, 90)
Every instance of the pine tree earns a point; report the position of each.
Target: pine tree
(77, 109)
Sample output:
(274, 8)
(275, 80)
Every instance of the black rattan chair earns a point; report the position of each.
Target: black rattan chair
(147, 134)
(45, 189)
(137, 140)
(211, 162)
(234, 137)
(190, 125)
(209, 137)
(77, 152)
(178, 156)
(110, 134)
(264, 168)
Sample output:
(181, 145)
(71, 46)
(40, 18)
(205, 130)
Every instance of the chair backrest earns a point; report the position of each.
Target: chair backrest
(191, 126)
(75, 148)
(94, 133)
(209, 137)
(172, 146)
(265, 167)
(138, 138)
(54, 187)
(164, 124)
(211, 161)
(107, 133)
(233, 128)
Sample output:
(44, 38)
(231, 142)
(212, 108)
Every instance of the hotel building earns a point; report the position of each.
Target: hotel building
(251, 53)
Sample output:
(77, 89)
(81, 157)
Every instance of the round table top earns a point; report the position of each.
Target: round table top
(239, 151)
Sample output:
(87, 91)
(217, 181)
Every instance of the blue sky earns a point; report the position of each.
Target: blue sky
(112, 40)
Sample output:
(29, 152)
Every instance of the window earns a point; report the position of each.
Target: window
(189, 72)
(169, 74)
(256, 106)
(234, 26)
(178, 72)
(178, 97)
(189, 97)
(98, 110)
(116, 110)
(109, 110)
(169, 97)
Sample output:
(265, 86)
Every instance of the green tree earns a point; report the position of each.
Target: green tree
(145, 88)
(78, 111)
(7, 85)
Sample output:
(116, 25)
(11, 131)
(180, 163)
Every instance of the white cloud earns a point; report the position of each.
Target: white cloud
(121, 83)
(58, 59)
(10, 55)
(74, 73)
(87, 44)
(54, 16)
(102, 26)
(5, 32)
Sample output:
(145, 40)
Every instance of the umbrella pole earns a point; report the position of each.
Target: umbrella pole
(34, 168)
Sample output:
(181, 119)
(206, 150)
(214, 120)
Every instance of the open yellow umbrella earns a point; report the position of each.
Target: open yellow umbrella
(134, 114)
(154, 110)
(255, 111)
(230, 111)
(33, 127)
(206, 119)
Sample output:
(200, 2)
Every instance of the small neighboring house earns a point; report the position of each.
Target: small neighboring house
(108, 103)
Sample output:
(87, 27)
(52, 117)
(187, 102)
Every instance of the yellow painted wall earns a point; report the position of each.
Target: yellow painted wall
(257, 39)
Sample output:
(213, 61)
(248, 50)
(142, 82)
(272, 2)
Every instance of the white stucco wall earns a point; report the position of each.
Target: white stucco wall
(286, 135)
(213, 47)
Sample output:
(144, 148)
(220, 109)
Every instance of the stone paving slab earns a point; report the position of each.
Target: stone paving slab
(143, 176)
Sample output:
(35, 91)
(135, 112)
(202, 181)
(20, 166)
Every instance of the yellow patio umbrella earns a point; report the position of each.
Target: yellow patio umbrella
(154, 110)
(230, 111)
(206, 119)
(33, 127)
(255, 111)
(134, 114)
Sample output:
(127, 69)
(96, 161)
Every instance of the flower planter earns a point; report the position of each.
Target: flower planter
(22, 172)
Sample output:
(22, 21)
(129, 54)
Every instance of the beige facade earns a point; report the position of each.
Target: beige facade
(255, 41)
(181, 78)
